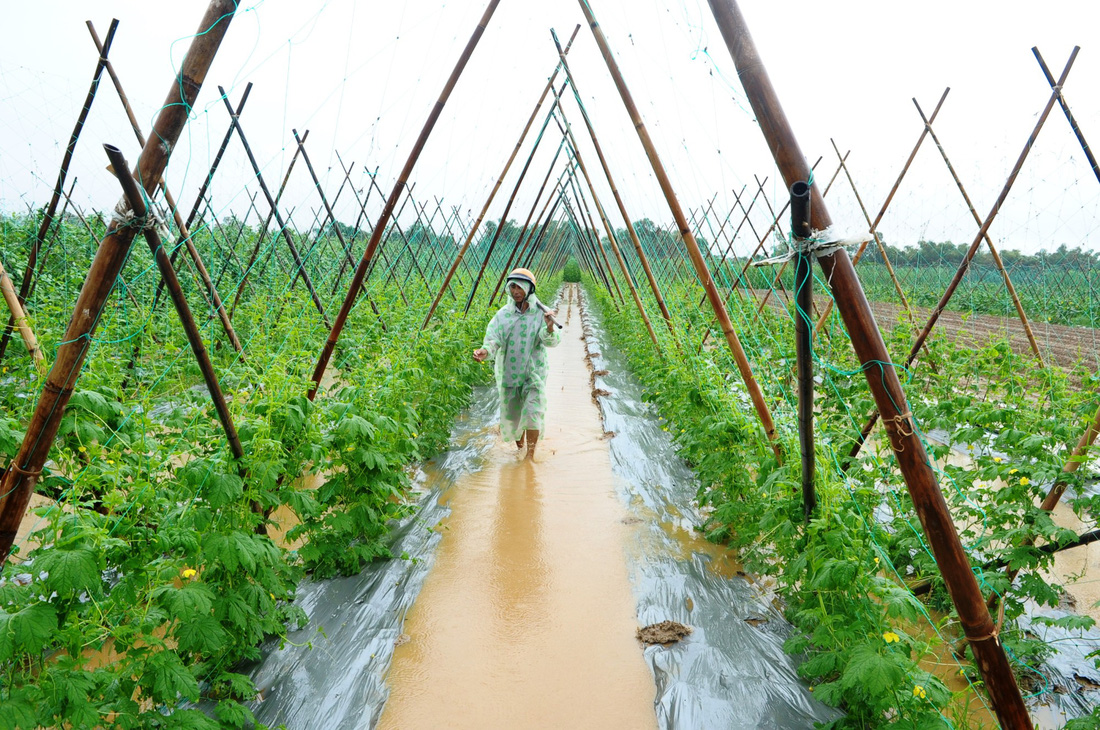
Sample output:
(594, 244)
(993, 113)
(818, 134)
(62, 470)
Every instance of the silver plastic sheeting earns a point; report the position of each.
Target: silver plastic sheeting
(731, 672)
(331, 673)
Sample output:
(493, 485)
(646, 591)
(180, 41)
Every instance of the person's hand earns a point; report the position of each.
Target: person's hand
(480, 354)
(549, 317)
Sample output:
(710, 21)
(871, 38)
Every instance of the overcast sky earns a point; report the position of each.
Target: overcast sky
(362, 77)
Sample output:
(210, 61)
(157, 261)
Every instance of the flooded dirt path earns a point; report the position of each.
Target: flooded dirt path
(526, 619)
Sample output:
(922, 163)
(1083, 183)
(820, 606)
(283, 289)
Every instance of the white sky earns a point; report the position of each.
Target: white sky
(362, 77)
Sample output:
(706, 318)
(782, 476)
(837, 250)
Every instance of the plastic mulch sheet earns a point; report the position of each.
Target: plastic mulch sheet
(731, 672)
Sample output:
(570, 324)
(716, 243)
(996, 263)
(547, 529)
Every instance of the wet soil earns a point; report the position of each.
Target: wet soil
(1060, 345)
(526, 619)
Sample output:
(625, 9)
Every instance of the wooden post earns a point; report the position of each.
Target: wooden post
(387, 211)
(738, 352)
(882, 378)
(496, 187)
(24, 470)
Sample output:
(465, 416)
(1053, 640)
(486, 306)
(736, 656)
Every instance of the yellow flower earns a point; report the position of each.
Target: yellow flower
(82, 449)
(188, 572)
(1025, 481)
(890, 637)
(110, 461)
(996, 458)
(272, 596)
(918, 691)
(1013, 471)
(876, 561)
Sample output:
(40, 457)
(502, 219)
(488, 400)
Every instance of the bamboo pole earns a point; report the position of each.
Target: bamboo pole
(575, 149)
(1069, 115)
(59, 186)
(211, 292)
(1054, 495)
(732, 340)
(989, 241)
(380, 226)
(496, 186)
(521, 238)
(24, 470)
(263, 230)
(545, 216)
(19, 319)
(298, 262)
(133, 195)
(653, 286)
(882, 378)
(964, 266)
(889, 199)
(511, 200)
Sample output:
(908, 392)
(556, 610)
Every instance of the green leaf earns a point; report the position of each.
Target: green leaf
(166, 678)
(201, 634)
(27, 630)
(234, 714)
(185, 603)
(872, 674)
(71, 570)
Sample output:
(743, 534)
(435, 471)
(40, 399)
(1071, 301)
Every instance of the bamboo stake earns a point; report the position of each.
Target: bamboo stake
(511, 200)
(696, 256)
(58, 188)
(19, 319)
(965, 265)
(210, 291)
(133, 195)
(299, 264)
(1069, 115)
(883, 381)
(263, 230)
(654, 287)
(989, 241)
(545, 216)
(496, 187)
(1073, 463)
(526, 224)
(24, 470)
(889, 199)
(379, 228)
(603, 218)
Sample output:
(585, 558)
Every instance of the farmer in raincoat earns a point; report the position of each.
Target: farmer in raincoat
(516, 339)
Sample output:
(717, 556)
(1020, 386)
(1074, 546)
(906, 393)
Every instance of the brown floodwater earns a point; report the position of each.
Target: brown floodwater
(526, 620)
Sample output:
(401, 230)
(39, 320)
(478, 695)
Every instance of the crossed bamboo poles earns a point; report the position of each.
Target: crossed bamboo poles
(567, 196)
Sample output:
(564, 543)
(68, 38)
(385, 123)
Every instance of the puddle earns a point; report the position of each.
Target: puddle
(527, 618)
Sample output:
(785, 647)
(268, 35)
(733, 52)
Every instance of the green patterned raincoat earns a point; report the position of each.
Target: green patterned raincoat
(517, 343)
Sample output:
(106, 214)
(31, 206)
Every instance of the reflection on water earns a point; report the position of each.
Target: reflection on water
(518, 569)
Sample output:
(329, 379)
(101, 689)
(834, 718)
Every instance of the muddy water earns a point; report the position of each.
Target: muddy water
(527, 618)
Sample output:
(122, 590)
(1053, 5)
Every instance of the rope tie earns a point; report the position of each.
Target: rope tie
(123, 217)
(13, 467)
(818, 244)
(996, 629)
(901, 427)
